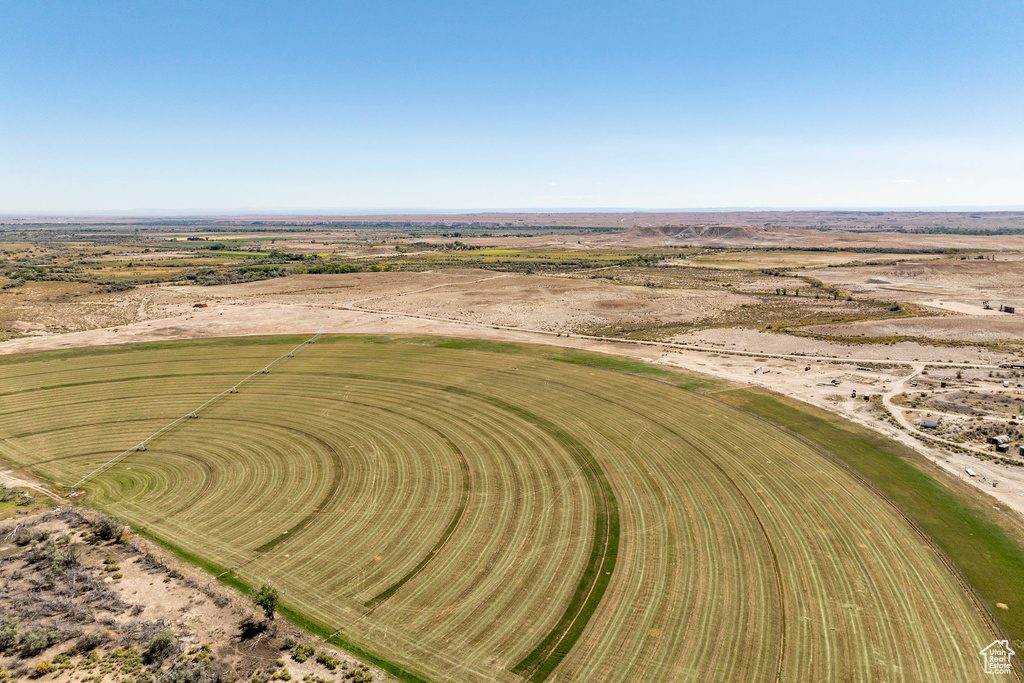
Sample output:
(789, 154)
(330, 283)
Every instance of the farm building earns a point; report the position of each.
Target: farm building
(1000, 440)
(929, 424)
(1002, 448)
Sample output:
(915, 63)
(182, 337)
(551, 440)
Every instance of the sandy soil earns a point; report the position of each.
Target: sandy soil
(791, 379)
(739, 339)
(563, 304)
(733, 235)
(961, 307)
(306, 304)
(989, 328)
(550, 303)
(921, 282)
(156, 590)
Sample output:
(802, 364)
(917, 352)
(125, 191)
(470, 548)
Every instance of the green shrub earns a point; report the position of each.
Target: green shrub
(127, 658)
(37, 639)
(302, 653)
(107, 528)
(162, 646)
(189, 672)
(8, 633)
(328, 660)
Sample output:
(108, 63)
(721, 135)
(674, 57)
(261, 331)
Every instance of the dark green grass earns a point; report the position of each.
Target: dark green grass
(376, 600)
(636, 367)
(320, 507)
(229, 578)
(596, 360)
(150, 346)
(978, 541)
(984, 545)
(553, 648)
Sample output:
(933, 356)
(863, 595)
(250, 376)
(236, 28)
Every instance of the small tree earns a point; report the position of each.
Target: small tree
(266, 599)
(107, 528)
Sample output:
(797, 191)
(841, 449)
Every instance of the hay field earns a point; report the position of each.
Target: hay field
(465, 514)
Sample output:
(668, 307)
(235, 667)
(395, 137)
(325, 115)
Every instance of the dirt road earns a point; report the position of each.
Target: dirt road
(355, 306)
(304, 304)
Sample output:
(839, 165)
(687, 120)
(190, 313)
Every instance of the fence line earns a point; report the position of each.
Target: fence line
(141, 446)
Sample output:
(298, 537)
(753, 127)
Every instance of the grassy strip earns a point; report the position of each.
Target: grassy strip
(222, 574)
(553, 648)
(480, 345)
(289, 533)
(595, 360)
(539, 663)
(313, 626)
(974, 539)
(115, 380)
(149, 346)
(636, 367)
(376, 600)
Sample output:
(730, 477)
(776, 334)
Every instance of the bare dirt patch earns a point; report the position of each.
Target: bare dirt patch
(85, 599)
(736, 339)
(970, 280)
(999, 328)
(562, 304)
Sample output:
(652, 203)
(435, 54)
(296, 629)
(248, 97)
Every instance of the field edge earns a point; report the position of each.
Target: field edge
(980, 550)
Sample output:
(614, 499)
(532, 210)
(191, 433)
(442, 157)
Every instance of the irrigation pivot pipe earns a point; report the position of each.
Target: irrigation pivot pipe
(141, 446)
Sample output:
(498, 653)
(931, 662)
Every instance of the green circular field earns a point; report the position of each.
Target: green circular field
(467, 514)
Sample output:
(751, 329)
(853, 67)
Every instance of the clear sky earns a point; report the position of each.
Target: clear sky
(384, 105)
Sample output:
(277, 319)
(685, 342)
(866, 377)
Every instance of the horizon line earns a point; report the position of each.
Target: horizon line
(377, 211)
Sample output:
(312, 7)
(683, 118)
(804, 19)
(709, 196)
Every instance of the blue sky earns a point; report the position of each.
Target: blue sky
(221, 106)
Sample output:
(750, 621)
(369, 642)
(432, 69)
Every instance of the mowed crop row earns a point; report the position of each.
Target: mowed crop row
(470, 515)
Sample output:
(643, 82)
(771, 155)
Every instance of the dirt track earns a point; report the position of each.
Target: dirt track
(305, 304)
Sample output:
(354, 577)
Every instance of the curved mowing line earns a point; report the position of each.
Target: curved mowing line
(764, 532)
(942, 555)
(750, 506)
(115, 380)
(320, 507)
(376, 600)
(593, 583)
(80, 425)
(553, 648)
(460, 510)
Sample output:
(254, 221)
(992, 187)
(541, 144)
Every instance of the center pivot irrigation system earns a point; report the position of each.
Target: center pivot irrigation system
(141, 446)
